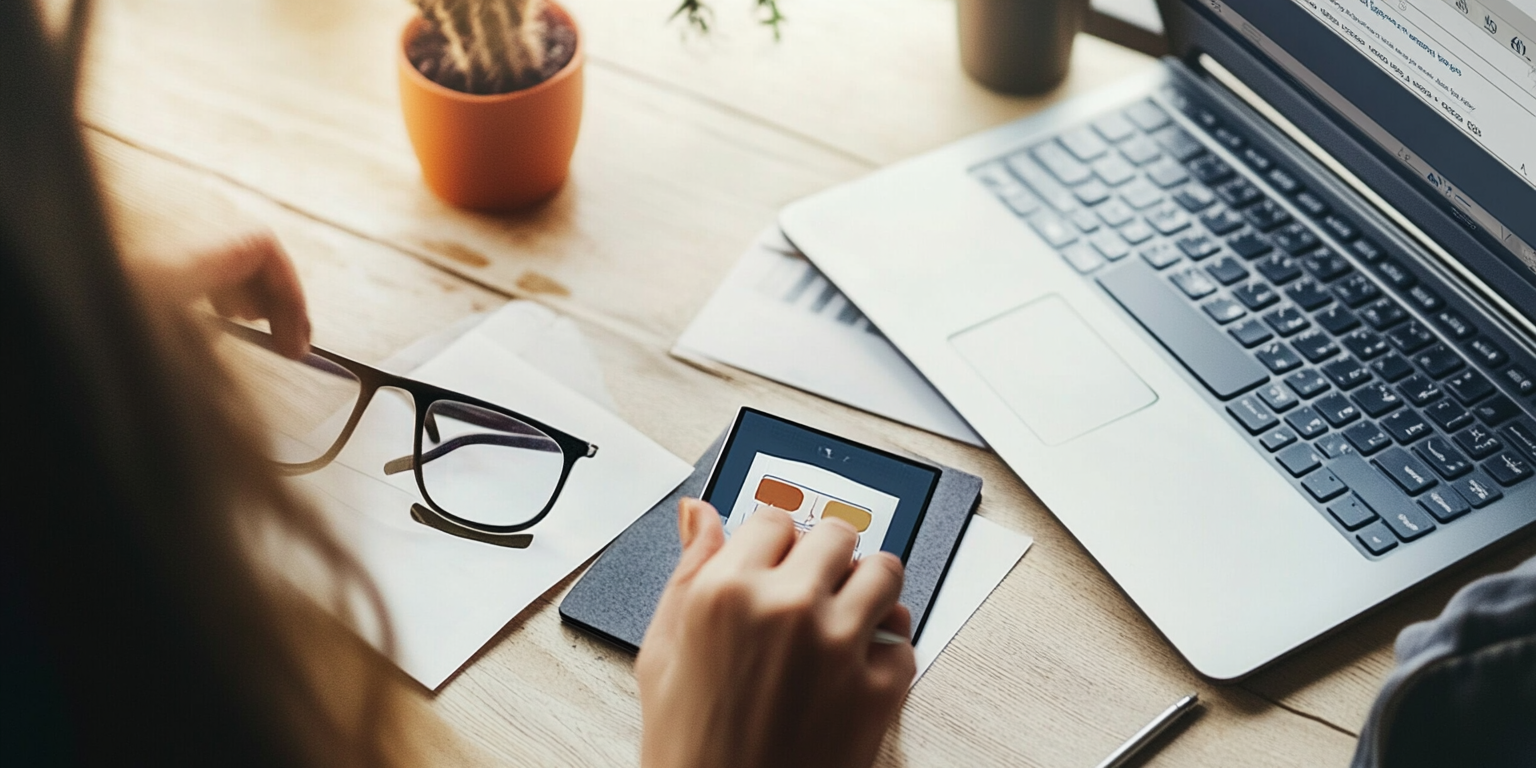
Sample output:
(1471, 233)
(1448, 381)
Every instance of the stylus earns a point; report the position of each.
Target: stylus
(887, 637)
(1150, 731)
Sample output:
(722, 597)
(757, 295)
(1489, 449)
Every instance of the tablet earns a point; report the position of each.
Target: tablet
(769, 462)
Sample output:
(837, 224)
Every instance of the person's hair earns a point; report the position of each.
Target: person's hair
(139, 628)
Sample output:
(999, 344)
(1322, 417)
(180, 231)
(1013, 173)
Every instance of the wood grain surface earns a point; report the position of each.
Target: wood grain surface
(284, 112)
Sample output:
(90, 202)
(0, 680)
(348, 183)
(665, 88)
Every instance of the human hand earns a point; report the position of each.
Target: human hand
(249, 276)
(760, 651)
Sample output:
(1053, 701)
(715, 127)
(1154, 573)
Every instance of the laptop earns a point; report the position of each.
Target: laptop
(1257, 326)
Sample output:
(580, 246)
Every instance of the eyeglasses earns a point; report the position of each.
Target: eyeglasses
(485, 472)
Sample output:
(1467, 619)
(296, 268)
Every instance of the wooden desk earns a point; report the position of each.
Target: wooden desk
(285, 110)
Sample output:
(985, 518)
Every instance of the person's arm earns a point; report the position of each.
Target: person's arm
(1464, 691)
(761, 652)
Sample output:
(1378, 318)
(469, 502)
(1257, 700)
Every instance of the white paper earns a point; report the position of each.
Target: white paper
(776, 316)
(446, 596)
(806, 492)
(987, 553)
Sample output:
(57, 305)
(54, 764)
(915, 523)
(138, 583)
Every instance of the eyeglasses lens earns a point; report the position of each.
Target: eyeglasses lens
(304, 403)
(487, 467)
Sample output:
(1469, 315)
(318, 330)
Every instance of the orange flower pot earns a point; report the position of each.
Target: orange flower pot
(499, 152)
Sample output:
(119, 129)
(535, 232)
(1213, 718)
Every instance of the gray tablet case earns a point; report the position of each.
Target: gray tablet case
(618, 594)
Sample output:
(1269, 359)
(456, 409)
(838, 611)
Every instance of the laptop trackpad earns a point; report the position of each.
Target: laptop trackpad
(1060, 378)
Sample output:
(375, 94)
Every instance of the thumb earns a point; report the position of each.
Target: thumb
(702, 535)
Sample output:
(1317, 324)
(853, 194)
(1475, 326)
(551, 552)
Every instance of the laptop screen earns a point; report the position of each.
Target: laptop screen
(1446, 87)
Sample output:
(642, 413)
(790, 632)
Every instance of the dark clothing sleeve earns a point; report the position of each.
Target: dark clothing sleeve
(1464, 691)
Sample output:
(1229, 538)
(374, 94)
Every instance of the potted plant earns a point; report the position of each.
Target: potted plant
(491, 92)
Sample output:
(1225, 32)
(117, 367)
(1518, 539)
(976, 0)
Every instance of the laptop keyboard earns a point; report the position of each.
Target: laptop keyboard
(1390, 409)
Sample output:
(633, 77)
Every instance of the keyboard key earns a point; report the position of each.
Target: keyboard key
(1307, 423)
(1223, 221)
(1082, 258)
(1469, 386)
(1323, 485)
(1340, 227)
(1367, 438)
(1137, 232)
(1521, 433)
(1277, 357)
(1365, 345)
(1210, 170)
(1382, 496)
(1448, 415)
(1277, 438)
(1508, 468)
(1199, 246)
(1356, 289)
(1251, 245)
(1459, 327)
(1227, 270)
(1425, 299)
(1287, 320)
(1219, 364)
(1253, 414)
(1165, 173)
(1066, 168)
(1228, 138)
(1410, 337)
(1178, 143)
(1409, 473)
(1168, 218)
(1367, 250)
(1383, 313)
(1115, 128)
(1351, 513)
(1140, 150)
(1347, 373)
(1279, 268)
(1444, 504)
(1392, 368)
(1255, 296)
(1195, 197)
(1084, 144)
(1337, 320)
(1478, 490)
(1295, 238)
(1376, 538)
(1278, 398)
(1438, 452)
(1376, 399)
(1309, 294)
(1115, 213)
(1479, 441)
(1091, 193)
(1311, 204)
(1284, 181)
(1406, 426)
(1524, 383)
(1306, 383)
(1148, 116)
(1495, 410)
(1334, 446)
(1043, 183)
(1395, 273)
(1266, 215)
(1021, 202)
(1420, 390)
(1053, 229)
(1251, 333)
(1257, 160)
(1325, 265)
(1299, 459)
(1336, 409)
(1110, 245)
(1084, 220)
(1315, 345)
(1439, 361)
(1223, 311)
(1239, 193)
(1487, 352)
(1193, 283)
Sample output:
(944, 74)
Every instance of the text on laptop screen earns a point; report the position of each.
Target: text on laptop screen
(1473, 62)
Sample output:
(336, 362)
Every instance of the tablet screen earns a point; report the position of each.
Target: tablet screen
(772, 462)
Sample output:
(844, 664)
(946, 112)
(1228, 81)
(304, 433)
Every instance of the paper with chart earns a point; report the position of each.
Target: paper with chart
(775, 315)
(811, 494)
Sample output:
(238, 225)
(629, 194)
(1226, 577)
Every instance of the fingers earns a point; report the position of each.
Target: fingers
(761, 542)
(283, 295)
(702, 535)
(870, 594)
(825, 555)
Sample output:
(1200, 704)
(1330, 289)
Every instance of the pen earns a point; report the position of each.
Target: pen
(887, 637)
(1150, 731)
